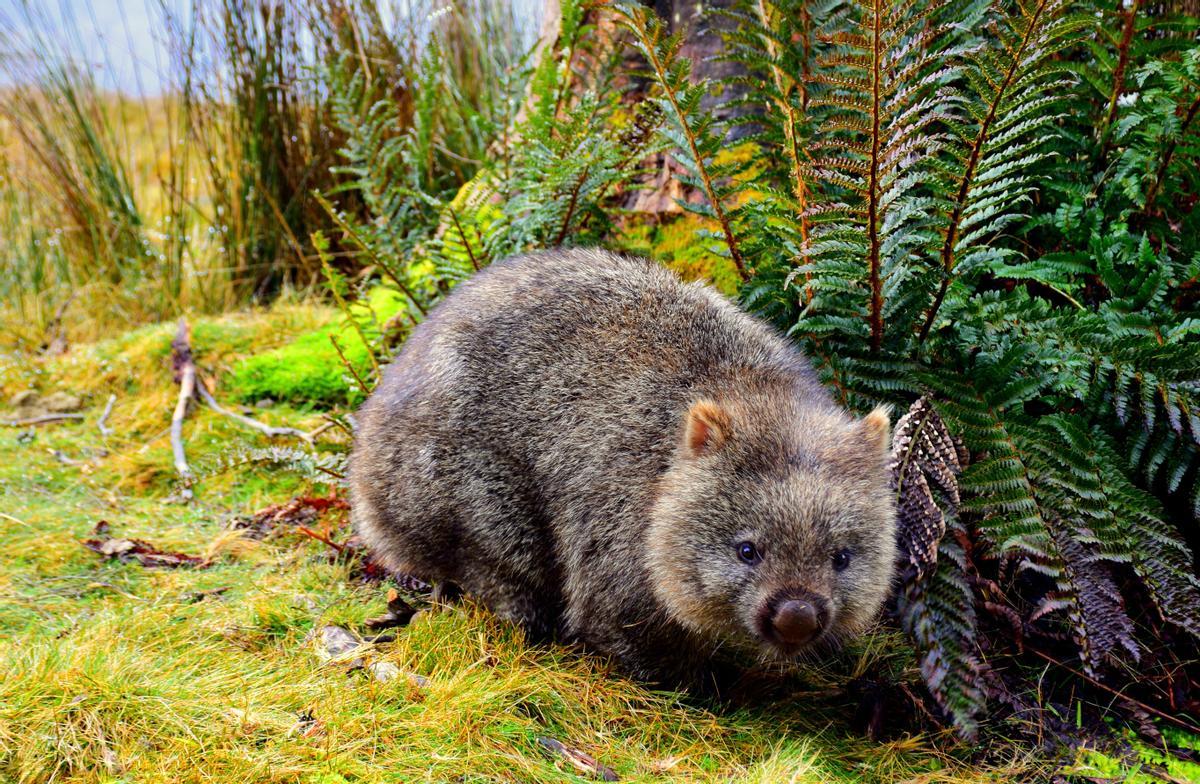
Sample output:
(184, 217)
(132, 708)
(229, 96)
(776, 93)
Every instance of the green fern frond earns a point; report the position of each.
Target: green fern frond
(1014, 91)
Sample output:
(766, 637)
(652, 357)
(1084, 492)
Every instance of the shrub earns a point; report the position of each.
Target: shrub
(968, 202)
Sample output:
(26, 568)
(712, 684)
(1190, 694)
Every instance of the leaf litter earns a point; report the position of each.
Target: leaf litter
(140, 551)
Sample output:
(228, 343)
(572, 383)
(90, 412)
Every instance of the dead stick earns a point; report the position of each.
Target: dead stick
(105, 430)
(322, 428)
(1119, 695)
(341, 548)
(40, 420)
(262, 427)
(185, 376)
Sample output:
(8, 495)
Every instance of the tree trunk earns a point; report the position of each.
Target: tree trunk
(704, 46)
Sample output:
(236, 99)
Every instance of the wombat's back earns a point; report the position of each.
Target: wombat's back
(576, 351)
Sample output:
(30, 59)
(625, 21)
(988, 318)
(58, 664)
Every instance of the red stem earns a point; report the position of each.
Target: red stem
(964, 188)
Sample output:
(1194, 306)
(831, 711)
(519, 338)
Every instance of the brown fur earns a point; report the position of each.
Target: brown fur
(582, 442)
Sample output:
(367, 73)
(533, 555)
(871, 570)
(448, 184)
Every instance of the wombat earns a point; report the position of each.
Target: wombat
(599, 451)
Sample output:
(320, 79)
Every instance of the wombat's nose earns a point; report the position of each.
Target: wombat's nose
(796, 621)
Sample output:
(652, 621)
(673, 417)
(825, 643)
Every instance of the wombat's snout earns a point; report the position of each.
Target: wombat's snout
(793, 619)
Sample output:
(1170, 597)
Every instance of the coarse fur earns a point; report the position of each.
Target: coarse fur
(587, 445)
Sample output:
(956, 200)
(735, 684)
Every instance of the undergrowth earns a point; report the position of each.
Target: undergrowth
(118, 672)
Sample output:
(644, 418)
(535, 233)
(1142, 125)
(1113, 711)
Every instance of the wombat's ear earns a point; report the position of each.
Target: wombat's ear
(707, 428)
(877, 427)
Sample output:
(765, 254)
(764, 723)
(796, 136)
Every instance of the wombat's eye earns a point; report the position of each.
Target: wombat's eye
(748, 552)
(841, 560)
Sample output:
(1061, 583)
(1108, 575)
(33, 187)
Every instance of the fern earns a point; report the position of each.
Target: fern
(926, 250)
(559, 147)
(324, 467)
(925, 466)
(1011, 94)
(880, 98)
(690, 131)
(936, 604)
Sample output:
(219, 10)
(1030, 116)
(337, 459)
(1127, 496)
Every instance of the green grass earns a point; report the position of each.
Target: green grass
(117, 673)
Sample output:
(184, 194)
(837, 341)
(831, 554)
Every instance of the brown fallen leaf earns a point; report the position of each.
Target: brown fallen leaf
(144, 553)
(333, 643)
(585, 763)
(399, 613)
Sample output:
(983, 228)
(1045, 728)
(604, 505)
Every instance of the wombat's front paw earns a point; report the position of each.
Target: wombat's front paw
(446, 594)
(740, 687)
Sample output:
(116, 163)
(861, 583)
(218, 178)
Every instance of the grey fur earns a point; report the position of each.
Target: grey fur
(580, 441)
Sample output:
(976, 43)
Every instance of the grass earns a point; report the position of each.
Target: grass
(130, 208)
(1147, 764)
(114, 672)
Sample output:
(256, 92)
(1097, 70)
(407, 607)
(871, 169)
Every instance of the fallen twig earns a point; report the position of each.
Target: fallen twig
(40, 420)
(585, 763)
(102, 423)
(262, 427)
(185, 376)
(329, 425)
(1178, 722)
(341, 548)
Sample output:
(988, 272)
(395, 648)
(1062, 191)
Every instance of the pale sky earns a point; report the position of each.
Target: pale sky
(118, 39)
(122, 41)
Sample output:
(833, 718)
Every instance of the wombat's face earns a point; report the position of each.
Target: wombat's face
(776, 534)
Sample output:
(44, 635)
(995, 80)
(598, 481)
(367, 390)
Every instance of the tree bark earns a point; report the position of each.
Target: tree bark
(701, 26)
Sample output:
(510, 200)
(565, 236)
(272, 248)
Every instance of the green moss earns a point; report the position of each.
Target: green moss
(1144, 765)
(678, 242)
(308, 371)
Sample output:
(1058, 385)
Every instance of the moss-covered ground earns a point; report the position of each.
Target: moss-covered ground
(115, 672)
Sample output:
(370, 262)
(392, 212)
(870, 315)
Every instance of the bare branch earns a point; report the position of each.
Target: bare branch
(105, 430)
(185, 375)
(40, 420)
(262, 427)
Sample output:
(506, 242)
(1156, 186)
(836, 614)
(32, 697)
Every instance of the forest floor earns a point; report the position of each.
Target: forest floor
(216, 668)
